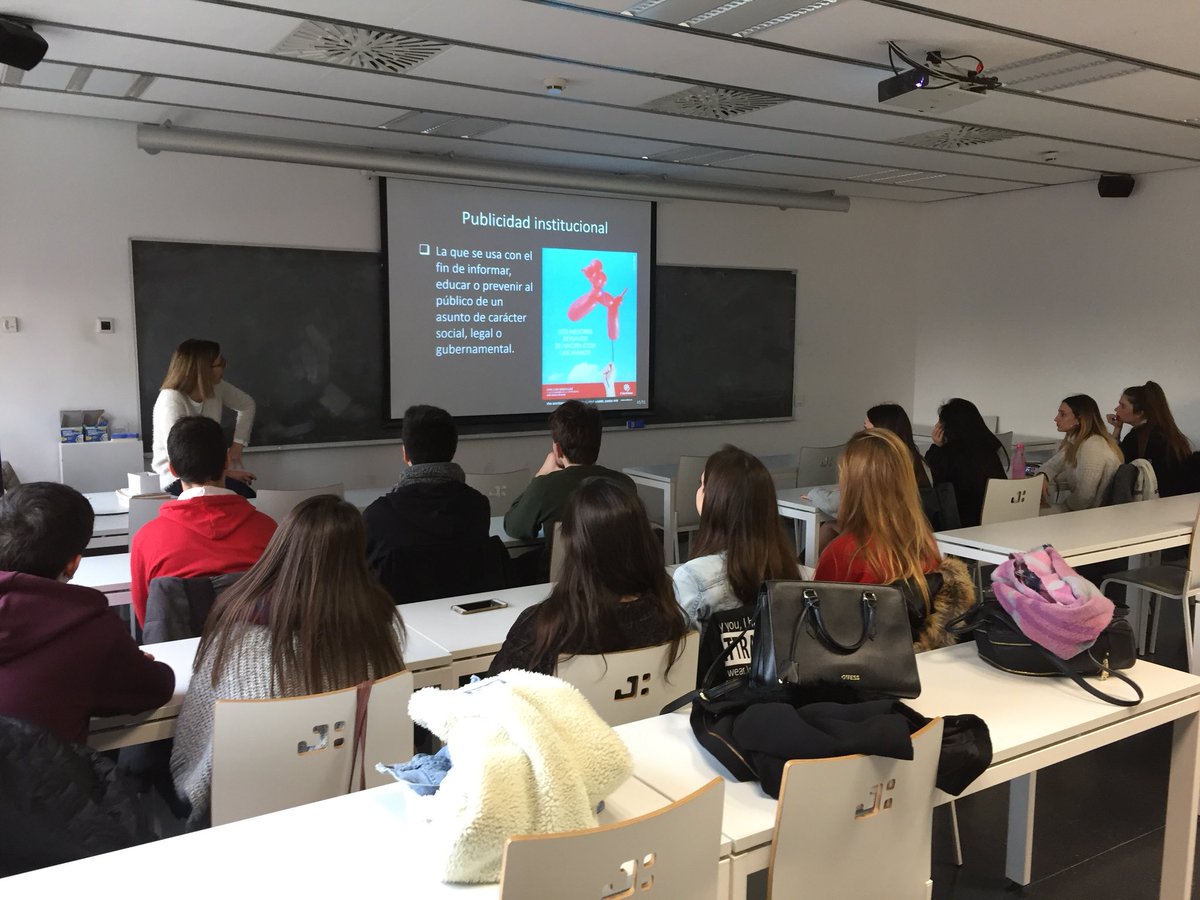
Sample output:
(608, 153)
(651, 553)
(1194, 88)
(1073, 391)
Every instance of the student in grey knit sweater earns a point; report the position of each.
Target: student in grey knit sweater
(1078, 475)
(308, 617)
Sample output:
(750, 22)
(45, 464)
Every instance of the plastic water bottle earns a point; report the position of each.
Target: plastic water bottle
(1018, 461)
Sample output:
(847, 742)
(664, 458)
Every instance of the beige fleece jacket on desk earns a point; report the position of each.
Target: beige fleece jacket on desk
(529, 756)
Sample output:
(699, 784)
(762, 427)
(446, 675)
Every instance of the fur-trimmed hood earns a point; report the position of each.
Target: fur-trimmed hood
(956, 596)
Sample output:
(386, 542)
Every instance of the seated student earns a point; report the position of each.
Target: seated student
(741, 542)
(308, 617)
(886, 538)
(64, 656)
(614, 593)
(428, 537)
(965, 453)
(209, 530)
(883, 415)
(575, 432)
(1086, 461)
(1154, 436)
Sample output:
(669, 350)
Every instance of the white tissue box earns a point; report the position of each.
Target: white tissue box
(144, 483)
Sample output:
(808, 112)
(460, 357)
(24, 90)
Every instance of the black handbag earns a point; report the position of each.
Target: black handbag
(1001, 643)
(830, 634)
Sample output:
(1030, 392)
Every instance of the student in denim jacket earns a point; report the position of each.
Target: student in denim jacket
(741, 542)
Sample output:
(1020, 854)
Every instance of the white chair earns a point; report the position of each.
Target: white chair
(143, 510)
(853, 827)
(501, 488)
(819, 465)
(277, 504)
(685, 519)
(1171, 582)
(1009, 499)
(275, 754)
(632, 684)
(786, 479)
(671, 853)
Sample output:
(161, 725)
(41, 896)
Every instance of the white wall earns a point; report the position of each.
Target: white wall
(75, 191)
(1032, 296)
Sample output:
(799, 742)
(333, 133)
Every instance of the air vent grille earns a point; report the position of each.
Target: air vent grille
(420, 122)
(358, 48)
(958, 137)
(714, 102)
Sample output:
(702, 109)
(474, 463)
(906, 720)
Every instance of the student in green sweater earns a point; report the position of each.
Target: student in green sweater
(575, 432)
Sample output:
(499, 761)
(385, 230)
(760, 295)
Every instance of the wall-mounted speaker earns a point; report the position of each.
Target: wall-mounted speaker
(20, 45)
(1115, 185)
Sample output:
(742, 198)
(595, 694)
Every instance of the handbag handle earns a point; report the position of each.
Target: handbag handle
(358, 750)
(812, 605)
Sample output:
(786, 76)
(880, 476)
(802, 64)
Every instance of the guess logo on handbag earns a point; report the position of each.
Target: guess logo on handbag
(848, 677)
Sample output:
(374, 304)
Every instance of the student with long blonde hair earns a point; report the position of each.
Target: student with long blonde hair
(1087, 459)
(308, 617)
(195, 385)
(740, 543)
(886, 538)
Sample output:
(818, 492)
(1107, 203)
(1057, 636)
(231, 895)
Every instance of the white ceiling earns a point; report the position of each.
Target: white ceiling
(1114, 86)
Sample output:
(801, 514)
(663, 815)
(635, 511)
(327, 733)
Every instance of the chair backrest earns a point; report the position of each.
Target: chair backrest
(671, 853)
(1193, 579)
(1009, 499)
(501, 488)
(818, 465)
(275, 754)
(940, 506)
(277, 504)
(632, 684)
(1120, 489)
(786, 480)
(143, 510)
(856, 826)
(686, 482)
(556, 552)
(1006, 439)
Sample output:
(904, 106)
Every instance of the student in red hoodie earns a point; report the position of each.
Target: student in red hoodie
(64, 656)
(209, 530)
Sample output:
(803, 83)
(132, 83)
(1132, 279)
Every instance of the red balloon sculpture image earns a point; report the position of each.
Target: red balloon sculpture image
(594, 273)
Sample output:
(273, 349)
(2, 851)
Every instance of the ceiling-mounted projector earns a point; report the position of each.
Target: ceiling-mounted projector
(920, 91)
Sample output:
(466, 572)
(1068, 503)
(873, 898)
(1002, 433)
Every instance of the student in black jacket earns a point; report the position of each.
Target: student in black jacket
(428, 537)
(966, 453)
(1154, 436)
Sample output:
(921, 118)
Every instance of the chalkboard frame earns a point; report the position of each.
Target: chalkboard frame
(659, 415)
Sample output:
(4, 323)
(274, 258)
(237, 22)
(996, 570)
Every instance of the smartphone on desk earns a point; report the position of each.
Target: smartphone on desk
(465, 609)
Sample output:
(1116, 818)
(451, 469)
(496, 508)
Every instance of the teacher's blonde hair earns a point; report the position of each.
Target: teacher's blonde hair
(190, 369)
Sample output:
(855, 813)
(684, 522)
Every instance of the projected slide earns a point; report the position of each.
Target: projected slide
(509, 302)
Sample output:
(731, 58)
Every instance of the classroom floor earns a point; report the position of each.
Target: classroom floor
(1098, 823)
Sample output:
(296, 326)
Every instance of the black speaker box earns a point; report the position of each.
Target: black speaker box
(20, 45)
(1115, 185)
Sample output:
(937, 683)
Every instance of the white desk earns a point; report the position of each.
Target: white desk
(107, 574)
(471, 640)
(1034, 722)
(661, 477)
(322, 849)
(429, 663)
(1087, 536)
(791, 506)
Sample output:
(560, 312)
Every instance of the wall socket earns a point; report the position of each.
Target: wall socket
(105, 326)
(9, 324)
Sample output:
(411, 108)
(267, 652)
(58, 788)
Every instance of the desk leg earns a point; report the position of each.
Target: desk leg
(1018, 863)
(811, 533)
(1179, 838)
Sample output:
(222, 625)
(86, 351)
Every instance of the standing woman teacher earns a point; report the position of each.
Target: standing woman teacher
(195, 386)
